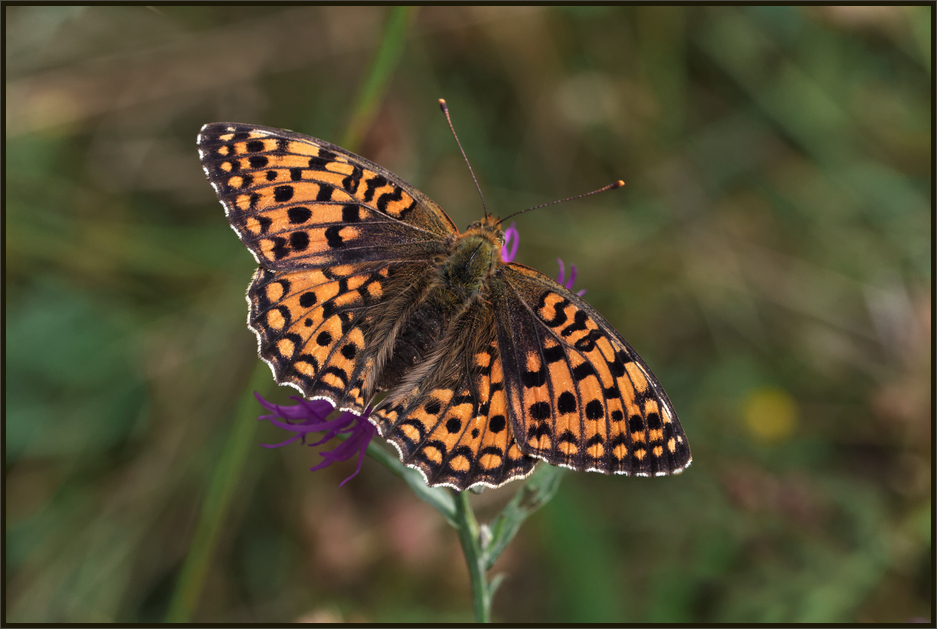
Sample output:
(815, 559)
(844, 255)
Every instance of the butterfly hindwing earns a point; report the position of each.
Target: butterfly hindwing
(579, 395)
(458, 434)
(309, 327)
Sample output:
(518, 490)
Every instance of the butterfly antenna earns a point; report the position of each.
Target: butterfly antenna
(445, 110)
(611, 186)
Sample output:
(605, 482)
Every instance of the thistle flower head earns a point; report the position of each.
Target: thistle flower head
(310, 416)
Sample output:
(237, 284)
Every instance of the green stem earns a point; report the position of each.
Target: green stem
(224, 480)
(437, 498)
(480, 551)
(385, 61)
(470, 537)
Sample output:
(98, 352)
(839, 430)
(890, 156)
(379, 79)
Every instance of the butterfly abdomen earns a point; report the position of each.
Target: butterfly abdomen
(429, 330)
(414, 342)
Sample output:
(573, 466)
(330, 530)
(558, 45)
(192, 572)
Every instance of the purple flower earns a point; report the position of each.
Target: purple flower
(572, 277)
(512, 239)
(510, 236)
(310, 416)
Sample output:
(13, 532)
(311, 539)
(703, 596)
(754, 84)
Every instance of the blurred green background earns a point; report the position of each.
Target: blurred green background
(770, 257)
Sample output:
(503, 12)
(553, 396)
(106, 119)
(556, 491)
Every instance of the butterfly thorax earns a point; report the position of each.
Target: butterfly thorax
(474, 257)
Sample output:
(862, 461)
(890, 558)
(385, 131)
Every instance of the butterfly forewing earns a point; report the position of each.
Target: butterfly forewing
(579, 395)
(299, 202)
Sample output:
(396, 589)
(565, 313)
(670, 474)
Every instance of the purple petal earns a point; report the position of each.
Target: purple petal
(362, 450)
(281, 444)
(315, 410)
(572, 275)
(511, 238)
(309, 416)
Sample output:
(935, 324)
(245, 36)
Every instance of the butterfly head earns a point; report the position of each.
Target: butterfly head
(489, 226)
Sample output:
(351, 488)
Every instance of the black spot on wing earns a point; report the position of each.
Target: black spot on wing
(583, 371)
(534, 378)
(333, 237)
(282, 194)
(566, 403)
(539, 411)
(553, 354)
(595, 410)
(299, 215)
(299, 241)
(579, 323)
(559, 317)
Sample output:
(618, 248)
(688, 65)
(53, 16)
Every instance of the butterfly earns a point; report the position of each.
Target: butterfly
(366, 287)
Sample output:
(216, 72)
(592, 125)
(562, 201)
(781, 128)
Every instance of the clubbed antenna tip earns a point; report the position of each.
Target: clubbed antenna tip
(611, 186)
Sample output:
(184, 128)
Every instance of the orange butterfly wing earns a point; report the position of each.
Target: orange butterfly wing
(579, 395)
